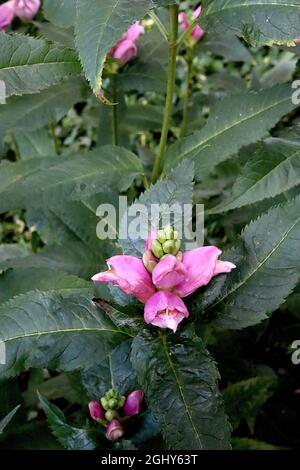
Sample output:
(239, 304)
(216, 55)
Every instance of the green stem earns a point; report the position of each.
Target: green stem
(186, 98)
(170, 90)
(55, 139)
(114, 110)
(159, 24)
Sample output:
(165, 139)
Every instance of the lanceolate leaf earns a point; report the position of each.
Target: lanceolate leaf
(268, 271)
(28, 65)
(176, 189)
(274, 167)
(70, 437)
(180, 382)
(234, 122)
(19, 281)
(60, 13)
(38, 182)
(259, 22)
(7, 419)
(99, 25)
(46, 330)
(35, 111)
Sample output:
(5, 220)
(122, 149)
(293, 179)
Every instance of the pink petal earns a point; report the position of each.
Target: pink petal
(165, 310)
(200, 265)
(134, 32)
(183, 21)
(7, 14)
(168, 273)
(152, 236)
(223, 267)
(126, 50)
(114, 430)
(133, 403)
(197, 33)
(197, 12)
(96, 410)
(27, 9)
(130, 275)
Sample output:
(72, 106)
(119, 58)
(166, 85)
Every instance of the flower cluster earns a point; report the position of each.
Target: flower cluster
(114, 409)
(24, 9)
(126, 49)
(197, 33)
(164, 276)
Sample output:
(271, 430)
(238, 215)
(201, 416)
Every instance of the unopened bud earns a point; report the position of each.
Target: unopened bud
(169, 232)
(104, 403)
(112, 403)
(169, 247)
(121, 401)
(110, 415)
(96, 411)
(149, 261)
(161, 236)
(157, 249)
(179, 256)
(177, 245)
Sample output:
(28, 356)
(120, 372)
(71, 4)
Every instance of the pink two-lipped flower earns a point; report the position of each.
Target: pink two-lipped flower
(24, 9)
(171, 280)
(197, 32)
(126, 49)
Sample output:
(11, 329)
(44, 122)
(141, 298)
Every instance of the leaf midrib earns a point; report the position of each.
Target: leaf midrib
(65, 331)
(180, 388)
(254, 271)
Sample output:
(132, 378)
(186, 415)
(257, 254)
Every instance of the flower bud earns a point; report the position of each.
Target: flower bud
(111, 414)
(169, 247)
(157, 249)
(179, 256)
(169, 232)
(104, 403)
(177, 245)
(121, 401)
(114, 430)
(161, 236)
(96, 410)
(149, 261)
(112, 403)
(133, 403)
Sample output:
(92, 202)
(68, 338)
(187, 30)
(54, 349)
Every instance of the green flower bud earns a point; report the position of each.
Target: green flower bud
(110, 393)
(169, 232)
(122, 401)
(112, 403)
(169, 247)
(161, 236)
(177, 245)
(176, 235)
(104, 403)
(149, 261)
(110, 415)
(157, 249)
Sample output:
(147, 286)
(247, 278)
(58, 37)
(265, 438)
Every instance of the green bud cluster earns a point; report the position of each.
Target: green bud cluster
(112, 402)
(166, 243)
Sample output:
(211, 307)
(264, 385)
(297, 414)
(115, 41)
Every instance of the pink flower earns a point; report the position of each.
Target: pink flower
(133, 403)
(166, 310)
(130, 275)
(201, 265)
(7, 14)
(114, 430)
(197, 32)
(168, 273)
(96, 410)
(27, 9)
(126, 50)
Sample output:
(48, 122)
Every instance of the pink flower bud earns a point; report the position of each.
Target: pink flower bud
(27, 9)
(7, 14)
(114, 430)
(130, 275)
(134, 32)
(133, 403)
(125, 51)
(168, 273)
(96, 410)
(165, 310)
(197, 33)
(149, 261)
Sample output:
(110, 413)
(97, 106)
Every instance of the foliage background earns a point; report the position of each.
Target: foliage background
(49, 247)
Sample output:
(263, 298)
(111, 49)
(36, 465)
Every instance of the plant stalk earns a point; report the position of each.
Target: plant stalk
(186, 98)
(170, 91)
(114, 111)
